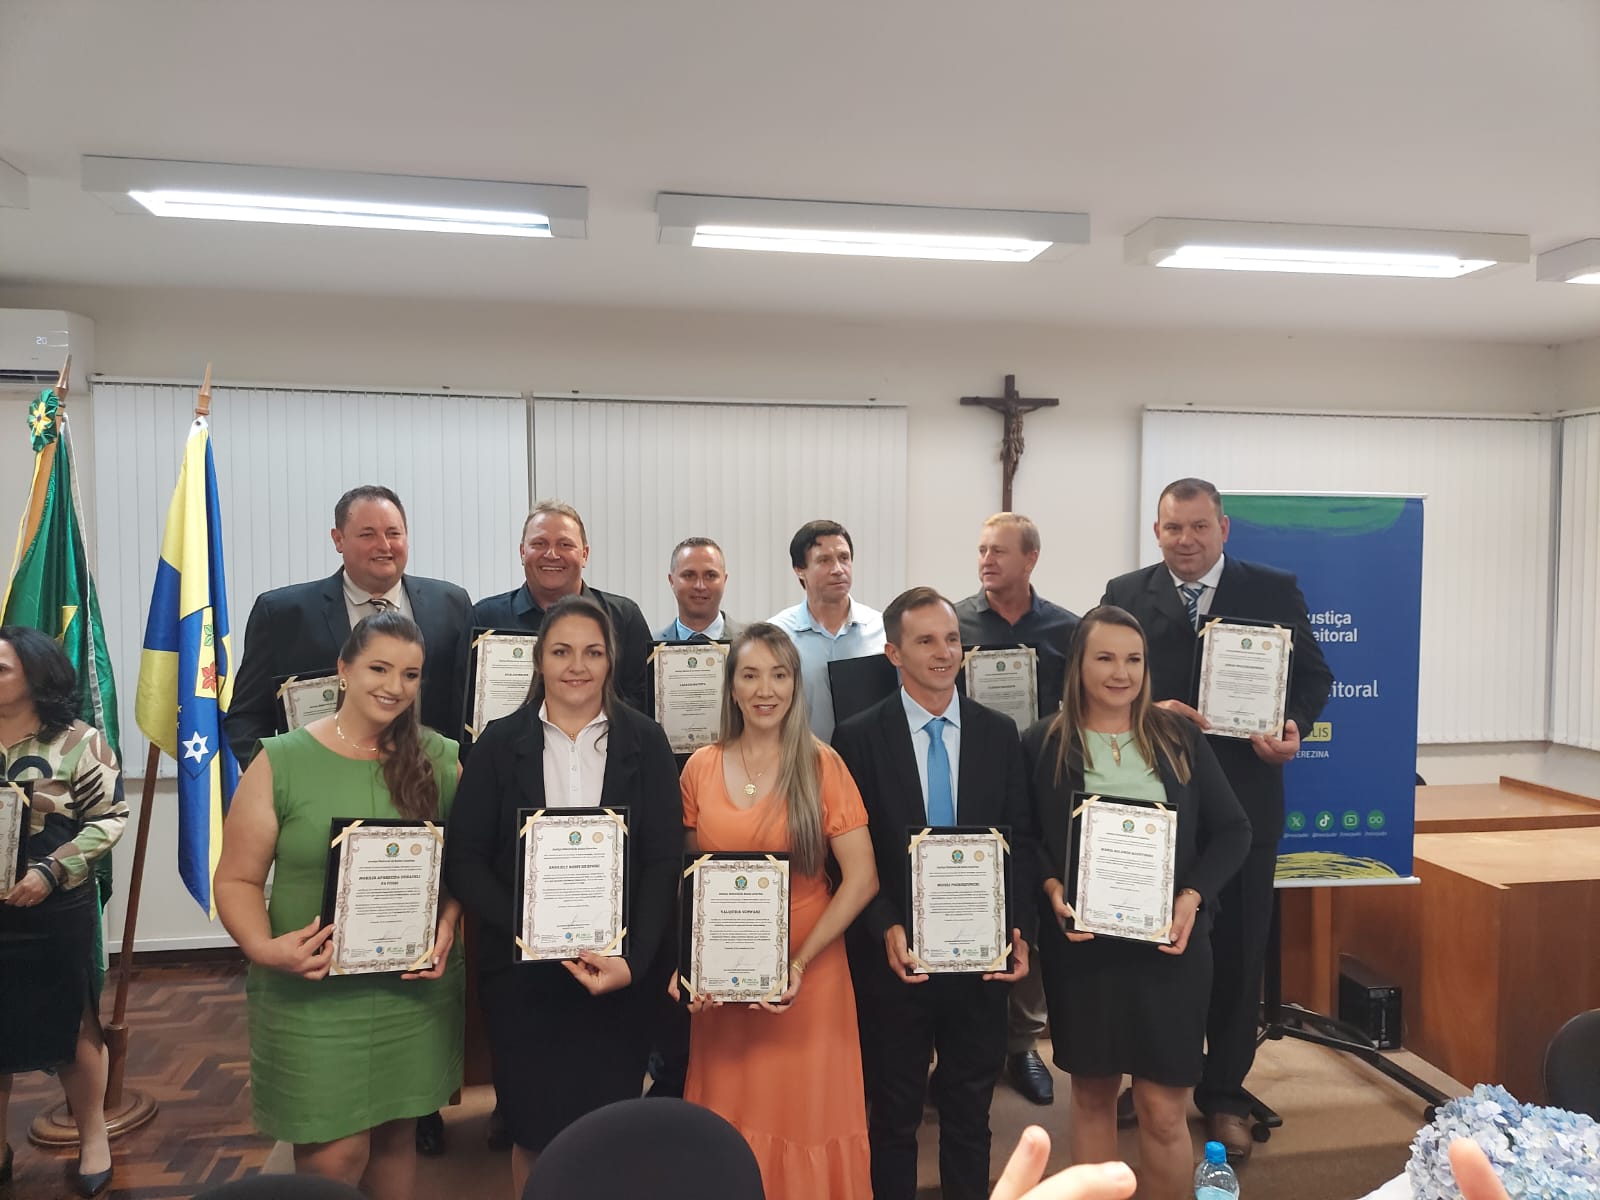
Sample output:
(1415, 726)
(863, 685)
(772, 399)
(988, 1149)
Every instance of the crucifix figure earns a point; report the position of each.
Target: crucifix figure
(1012, 407)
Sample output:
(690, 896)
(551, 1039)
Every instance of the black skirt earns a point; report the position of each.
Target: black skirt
(46, 976)
(1125, 1008)
(559, 1052)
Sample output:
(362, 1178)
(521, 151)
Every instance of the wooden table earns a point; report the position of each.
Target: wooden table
(1495, 950)
(1319, 924)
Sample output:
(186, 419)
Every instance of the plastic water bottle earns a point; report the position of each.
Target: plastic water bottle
(1214, 1179)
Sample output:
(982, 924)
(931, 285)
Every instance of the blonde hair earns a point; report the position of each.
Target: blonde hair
(799, 780)
(1023, 525)
(1155, 731)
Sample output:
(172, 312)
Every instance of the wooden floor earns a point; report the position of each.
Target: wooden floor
(187, 1049)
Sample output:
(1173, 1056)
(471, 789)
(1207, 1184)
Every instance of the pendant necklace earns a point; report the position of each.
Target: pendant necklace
(750, 780)
(337, 728)
(1116, 750)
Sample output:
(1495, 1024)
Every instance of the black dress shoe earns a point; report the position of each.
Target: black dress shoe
(1127, 1117)
(1031, 1077)
(91, 1185)
(499, 1136)
(430, 1136)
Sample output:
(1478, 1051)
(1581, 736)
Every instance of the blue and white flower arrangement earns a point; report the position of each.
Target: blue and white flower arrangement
(1539, 1153)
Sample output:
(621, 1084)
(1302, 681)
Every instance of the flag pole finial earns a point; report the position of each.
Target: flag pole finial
(202, 405)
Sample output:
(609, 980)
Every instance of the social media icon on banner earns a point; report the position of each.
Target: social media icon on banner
(1351, 820)
(1375, 819)
(1296, 822)
(1324, 821)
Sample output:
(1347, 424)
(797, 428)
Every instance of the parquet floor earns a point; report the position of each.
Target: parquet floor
(188, 1049)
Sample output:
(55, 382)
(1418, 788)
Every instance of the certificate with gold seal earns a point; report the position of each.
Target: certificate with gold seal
(1006, 680)
(1244, 678)
(688, 692)
(14, 808)
(1123, 870)
(956, 912)
(500, 671)
(304, 698)
(572, 882)
(734, 936)
(381, 894)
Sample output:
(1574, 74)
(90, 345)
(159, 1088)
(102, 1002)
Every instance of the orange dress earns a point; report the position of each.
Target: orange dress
(791, 1082)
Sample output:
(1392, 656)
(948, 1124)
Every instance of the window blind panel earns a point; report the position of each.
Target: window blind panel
(1487, 549)
(284, 456)
(645, 475)
(1575, 690)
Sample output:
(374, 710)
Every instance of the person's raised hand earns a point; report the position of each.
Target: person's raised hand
(1474, 1176)
(1277, 750)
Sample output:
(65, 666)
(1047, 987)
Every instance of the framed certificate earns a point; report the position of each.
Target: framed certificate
(1244, 677)
(572, 882)
(734, 931)
(957, 883)
(381, 894)
(1005, 679)
(1123, 866)
(500, 670)
(14, 809)
(303, 698)
(688, 692)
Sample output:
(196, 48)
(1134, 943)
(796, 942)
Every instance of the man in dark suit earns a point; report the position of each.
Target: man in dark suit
(698, 575)
(554, 550)
(926, 756)
(300, 629)
(1172, 599)
(1006, 611)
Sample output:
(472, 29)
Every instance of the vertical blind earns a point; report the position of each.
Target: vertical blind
(1575, 687)
(646, 474)
(458, 462)
(1487, 537)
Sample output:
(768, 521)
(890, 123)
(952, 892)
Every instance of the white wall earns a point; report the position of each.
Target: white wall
(1079, 476)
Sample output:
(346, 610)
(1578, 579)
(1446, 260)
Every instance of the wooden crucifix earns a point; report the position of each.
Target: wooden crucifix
(1012, 407)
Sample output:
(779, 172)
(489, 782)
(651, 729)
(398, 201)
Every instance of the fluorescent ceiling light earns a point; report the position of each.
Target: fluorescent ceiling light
(294, 196)
(1577, 263)
(13, 187)
(874, 230)
(1319, 249)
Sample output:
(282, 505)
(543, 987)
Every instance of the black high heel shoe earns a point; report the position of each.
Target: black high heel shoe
(91, 1185)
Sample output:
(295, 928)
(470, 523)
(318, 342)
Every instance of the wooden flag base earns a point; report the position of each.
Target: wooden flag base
(55, 1126)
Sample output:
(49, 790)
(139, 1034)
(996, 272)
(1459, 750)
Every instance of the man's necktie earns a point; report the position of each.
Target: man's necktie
(941, 803)
(379, 604)
(1191, 593)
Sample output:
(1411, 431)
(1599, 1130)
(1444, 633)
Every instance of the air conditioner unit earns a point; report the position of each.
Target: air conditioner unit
(35, 342)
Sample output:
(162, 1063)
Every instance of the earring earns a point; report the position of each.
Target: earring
(343, 685)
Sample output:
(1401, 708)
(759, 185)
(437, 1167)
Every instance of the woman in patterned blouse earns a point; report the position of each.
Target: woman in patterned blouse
(67, 776)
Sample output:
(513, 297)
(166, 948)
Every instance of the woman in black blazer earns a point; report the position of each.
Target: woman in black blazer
(567, 1037)
(1116, 1006)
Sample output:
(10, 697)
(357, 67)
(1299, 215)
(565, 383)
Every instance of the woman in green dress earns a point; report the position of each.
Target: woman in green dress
(342, 1066)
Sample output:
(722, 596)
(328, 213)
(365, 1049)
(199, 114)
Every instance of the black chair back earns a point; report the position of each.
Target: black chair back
(663, 1149)
(1572, 1065)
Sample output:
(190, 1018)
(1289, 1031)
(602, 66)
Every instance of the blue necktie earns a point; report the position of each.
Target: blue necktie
(941, 804)
(1191, 593)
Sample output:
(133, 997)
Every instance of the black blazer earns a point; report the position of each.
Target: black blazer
(299, 629)
(517, 610)
(1249, 591)
(1213, 831)
(507, 773)
(991, 790)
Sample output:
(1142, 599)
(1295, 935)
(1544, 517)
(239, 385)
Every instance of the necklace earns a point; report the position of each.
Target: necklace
(1116, 748)
(750, 780)
(339, 729)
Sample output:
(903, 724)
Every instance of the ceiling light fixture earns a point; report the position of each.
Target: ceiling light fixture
(1577, 263)
(1319, 249)
(347, 199)
(872, 230)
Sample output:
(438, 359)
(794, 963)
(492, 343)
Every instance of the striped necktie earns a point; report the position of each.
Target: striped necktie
(1191, 593)
(380, 604)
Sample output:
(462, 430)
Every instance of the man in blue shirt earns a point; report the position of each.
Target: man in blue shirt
(698, 575)
(828, 625)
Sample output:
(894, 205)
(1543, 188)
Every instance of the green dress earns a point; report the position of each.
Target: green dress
(336, 1056)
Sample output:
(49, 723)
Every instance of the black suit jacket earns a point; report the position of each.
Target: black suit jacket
(506, 773)
(300, 629)
(991, 790)
(1249, 591)
(517, 610)
(1213, 831)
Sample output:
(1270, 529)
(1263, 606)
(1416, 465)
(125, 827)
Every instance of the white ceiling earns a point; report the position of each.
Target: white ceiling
(1452, 114)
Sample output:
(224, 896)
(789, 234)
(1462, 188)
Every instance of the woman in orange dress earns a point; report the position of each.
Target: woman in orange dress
(787, 1074)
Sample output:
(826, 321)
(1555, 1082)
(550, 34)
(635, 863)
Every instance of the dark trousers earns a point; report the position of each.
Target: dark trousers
(1239, 955)
(963, 1019)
